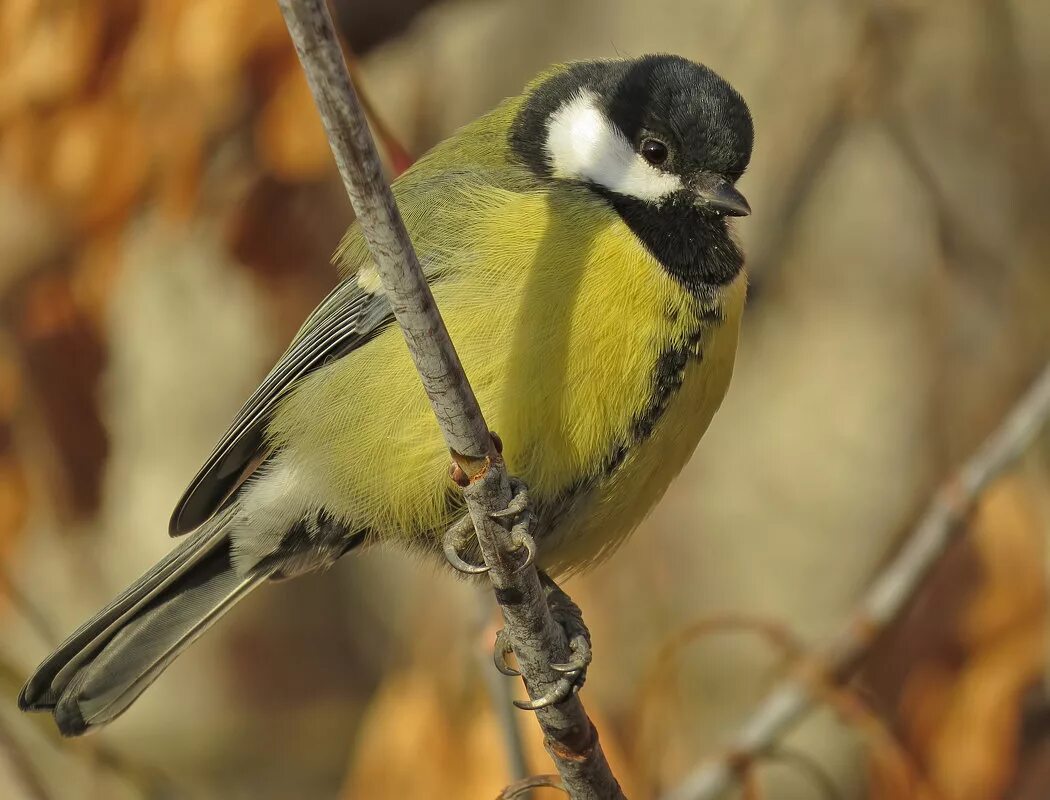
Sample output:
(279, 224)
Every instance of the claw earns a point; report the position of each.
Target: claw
(570, 682)
(457, 561)
(560, 692)
(518, 501)
(454, 539)
(576, 665)
(574, 671)
(520, 539)
(581, 656)
(567, 667)
(500, 652)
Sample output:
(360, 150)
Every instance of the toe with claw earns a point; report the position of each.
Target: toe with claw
(456, 540)
(517, 512)
(459, 538)
(503, 648)
(574, 671)
(519, 500)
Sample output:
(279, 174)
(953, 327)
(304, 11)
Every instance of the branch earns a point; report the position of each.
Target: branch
(538, 641)
(22, 767)
(27, 607)
(501, 695)
(884, 601)
(524, 787)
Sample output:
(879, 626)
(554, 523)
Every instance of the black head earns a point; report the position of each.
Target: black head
(659, 129)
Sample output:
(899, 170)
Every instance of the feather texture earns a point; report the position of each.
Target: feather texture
(109, 661)
(598, 331)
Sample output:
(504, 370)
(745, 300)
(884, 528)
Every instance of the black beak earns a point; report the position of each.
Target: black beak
(720, 196)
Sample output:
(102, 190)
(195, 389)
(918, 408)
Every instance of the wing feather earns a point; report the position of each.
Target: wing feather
(349, 316)
(345, 320)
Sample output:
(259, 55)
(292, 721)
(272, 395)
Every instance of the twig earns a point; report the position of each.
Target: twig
(501, 695)
(887, 597)
(570, 737)
(22, 765)
(150, 780)
(520, 788)
(29, 610)
(882, 742)
(869, 76)
(662, 673)
(397, 155)
(805, 765)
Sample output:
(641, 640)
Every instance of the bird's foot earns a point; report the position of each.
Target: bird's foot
(519, 516)
(456, 540)
(574, 671)
(460, 536)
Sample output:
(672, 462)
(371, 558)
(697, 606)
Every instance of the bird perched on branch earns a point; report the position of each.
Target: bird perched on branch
(577, 242)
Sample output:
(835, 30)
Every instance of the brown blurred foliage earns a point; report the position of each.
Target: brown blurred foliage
(167, 211)
(965, 675)
(110, 107)
(105, 108)
(416, 740)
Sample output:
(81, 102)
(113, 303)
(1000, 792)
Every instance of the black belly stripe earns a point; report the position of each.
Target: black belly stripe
(668, 376)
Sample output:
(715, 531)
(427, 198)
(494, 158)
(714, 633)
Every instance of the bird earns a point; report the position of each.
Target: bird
(578, 242)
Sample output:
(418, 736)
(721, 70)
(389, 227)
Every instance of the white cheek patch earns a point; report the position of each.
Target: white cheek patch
(584, 145)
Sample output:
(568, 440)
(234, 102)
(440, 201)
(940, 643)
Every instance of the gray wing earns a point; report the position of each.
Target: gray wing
(345, 320)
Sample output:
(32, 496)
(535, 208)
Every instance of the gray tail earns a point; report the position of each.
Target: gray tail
(110, 660)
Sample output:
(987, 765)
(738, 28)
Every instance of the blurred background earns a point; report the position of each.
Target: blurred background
(168, 206)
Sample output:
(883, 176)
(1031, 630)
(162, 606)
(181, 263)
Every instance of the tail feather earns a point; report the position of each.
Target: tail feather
(106, 664)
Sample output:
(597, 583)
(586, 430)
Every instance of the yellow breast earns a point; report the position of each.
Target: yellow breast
(560, 317)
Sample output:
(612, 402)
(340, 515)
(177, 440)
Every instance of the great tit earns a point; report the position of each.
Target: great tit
(578, 245)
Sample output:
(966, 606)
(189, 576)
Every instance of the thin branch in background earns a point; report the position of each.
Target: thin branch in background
(769, 630)
(151, 781)
(1015, 114)
(397, 154)
(808, 766)
(959, 242)
(867, 78)
(22, 766)
(662, 672)
(879, 62)
(27, 608)
(783, 223)
(500, 693)
(856, 713)
(538, 642)
(523, 788)
(942, 523)
(849, 702)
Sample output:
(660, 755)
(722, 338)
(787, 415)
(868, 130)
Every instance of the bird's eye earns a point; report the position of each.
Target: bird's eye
(654, 151)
